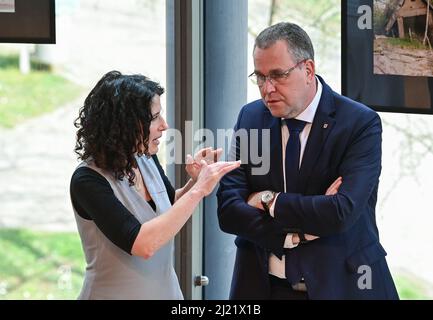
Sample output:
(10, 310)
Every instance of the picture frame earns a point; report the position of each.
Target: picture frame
(29, 21)
(374, 69)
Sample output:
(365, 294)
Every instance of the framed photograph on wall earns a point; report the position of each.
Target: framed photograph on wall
(387, 54)
(27, 21)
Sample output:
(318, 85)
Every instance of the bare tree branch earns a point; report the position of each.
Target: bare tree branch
(272, 12)
(426, 23)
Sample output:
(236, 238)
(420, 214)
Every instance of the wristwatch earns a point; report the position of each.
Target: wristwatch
(266, 199)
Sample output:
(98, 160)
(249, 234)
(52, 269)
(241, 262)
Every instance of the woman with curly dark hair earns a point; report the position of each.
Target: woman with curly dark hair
(127, 211)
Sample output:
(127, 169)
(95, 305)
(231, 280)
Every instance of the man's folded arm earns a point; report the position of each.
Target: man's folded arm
(323, 215)
(239, 218)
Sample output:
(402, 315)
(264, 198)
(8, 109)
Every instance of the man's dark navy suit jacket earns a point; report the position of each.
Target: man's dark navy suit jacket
(347, 261)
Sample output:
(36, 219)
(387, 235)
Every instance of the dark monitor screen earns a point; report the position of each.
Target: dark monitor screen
(27, 21)
(387, 60)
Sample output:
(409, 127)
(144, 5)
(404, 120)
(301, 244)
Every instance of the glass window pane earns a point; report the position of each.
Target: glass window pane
(41, 256)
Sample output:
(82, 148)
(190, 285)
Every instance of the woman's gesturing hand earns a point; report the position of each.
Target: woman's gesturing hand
(193, 165)
(211, 174)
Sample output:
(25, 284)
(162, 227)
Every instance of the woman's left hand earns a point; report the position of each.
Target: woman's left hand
(193, 165)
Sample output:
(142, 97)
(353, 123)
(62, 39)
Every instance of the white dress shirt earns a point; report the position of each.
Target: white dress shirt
(277, 266)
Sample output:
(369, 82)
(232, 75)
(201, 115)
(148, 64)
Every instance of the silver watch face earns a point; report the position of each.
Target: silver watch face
(267, 196)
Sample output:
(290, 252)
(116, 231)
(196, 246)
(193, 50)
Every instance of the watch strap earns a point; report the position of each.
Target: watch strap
(265, 206)
(302, 238)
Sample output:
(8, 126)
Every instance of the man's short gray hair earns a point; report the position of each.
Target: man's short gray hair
(297, 40)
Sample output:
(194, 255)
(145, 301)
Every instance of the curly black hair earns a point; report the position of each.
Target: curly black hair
(114, 122)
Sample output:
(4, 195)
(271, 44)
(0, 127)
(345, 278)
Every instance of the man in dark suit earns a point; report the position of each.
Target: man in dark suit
(306, 229)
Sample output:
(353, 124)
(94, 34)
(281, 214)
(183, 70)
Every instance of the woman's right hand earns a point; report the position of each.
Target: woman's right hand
(193, 165)
(211, 174)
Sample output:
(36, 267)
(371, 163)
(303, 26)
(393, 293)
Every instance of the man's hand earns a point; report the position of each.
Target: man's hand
(308, 237)
(255, 200)
(332, 190)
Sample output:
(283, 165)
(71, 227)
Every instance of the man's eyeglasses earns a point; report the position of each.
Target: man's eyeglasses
(274, 77)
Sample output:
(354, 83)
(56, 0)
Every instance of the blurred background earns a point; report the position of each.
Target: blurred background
(41, 256)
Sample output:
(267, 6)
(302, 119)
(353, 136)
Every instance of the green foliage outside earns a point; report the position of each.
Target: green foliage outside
(26, 96)
(379, 21)
(40, 265)
(407, 43)
(46, 265)
(320, 18)
(410, 287)
(323, 14)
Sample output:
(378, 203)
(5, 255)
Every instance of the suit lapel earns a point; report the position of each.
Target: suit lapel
(322, 125)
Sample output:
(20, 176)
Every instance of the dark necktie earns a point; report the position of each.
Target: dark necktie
(293, 152)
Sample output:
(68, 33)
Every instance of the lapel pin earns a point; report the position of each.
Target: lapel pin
(325, 126)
